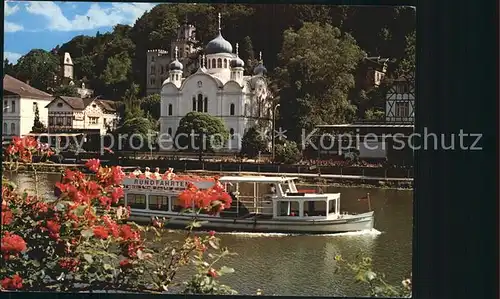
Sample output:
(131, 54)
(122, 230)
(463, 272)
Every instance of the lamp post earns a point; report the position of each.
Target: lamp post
(274, 129)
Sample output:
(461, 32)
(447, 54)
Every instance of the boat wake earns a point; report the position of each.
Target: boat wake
(368, 232)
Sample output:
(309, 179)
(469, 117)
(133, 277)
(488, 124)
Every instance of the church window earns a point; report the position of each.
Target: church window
(246, 109)
(169, 131)
(153, 81)
(200, 103)
(12, 129)
(219, 63)
(231, 132)
(225, 63)
(169, 109)
(194, 103)
(152, 58)
(152, 69)
(162, 70)
(5, 129)
(231, 108)
(13, 107)
(213, 63)
(205, 105)
(176, 77)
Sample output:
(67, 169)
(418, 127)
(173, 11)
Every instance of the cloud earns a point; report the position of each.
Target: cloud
(96, 16)
(12, 27)
(12, 57)
(7, 11)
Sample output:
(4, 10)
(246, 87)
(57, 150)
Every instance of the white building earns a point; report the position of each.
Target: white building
(400, 102)
(19, 105)
(219, 88)
(67, 114)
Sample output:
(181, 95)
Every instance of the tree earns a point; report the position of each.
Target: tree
(39, 67)
(38, 126)
(288, 153)
(407, 65)
(374, 114)
(152, 104)
(196, 127)
(134, 123)
(117, 69)
(315, 76)
(84, 67)
(66, 90)
(247, 54)
(253, 143)
(8, 68)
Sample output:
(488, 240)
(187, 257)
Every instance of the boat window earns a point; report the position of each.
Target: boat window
(314, 208)
(288, 208)
(176, 207)
(292, 187)
(158, 202)
(331, 207)
(137, 201)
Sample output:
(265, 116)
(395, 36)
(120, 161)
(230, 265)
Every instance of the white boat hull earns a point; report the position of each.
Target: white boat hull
(348, 223)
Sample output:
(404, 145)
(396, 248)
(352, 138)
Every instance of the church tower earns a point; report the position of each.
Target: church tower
(186, 40)
(67, 66)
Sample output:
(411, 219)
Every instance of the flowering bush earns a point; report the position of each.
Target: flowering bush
(82, 241)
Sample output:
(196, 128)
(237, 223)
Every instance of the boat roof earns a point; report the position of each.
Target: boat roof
(256, 179)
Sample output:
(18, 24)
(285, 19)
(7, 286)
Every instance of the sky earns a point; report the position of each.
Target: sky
(43, 25)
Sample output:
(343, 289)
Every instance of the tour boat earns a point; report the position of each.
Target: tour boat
(277, 209)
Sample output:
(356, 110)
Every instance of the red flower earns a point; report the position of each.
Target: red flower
(211, 233)
(69, 264)
(212, 273)
(14, 283)
(128, 234)
(6, 217)
(101, 232)
(93, 164)
(125, 263)
(53, 226)
(12, 243)
(116, 194)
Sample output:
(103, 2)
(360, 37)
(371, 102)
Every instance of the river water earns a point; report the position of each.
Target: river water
(304, 265)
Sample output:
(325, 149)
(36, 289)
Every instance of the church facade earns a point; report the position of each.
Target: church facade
(220, 88)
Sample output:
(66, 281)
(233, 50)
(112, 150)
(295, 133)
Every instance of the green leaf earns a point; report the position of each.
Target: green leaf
(88, 258)
(87, 233)
(226, 270)
(107, 267)
(80, 210)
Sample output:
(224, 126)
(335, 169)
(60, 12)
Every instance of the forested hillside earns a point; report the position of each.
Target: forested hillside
(310, 51)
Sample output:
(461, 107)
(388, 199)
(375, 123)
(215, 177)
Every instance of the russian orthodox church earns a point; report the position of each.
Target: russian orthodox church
(220, 88)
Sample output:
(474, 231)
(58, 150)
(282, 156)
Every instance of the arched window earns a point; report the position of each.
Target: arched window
(246, 110)
(194, 103)
(5, 128)
(169, 109)
(205, 105)
(200, 103)
(12, 129)
(219, 63)
(225, 63)
(213, 63)
(169, 131)
(231, 133)
(231, 109)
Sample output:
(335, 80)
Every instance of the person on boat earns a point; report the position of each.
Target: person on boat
(147, 172)
(157, 172)
(137, 171)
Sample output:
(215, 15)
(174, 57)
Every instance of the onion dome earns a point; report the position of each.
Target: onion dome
(236, 62)
(219, 44)
(176, 65)
(260, 69)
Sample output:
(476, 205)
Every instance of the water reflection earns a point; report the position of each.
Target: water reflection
(305, 265)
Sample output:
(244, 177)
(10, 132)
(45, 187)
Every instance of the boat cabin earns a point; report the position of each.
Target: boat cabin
(278, 198)
(157, 195)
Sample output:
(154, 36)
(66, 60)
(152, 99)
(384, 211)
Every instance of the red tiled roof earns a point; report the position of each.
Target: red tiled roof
(22, 89)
